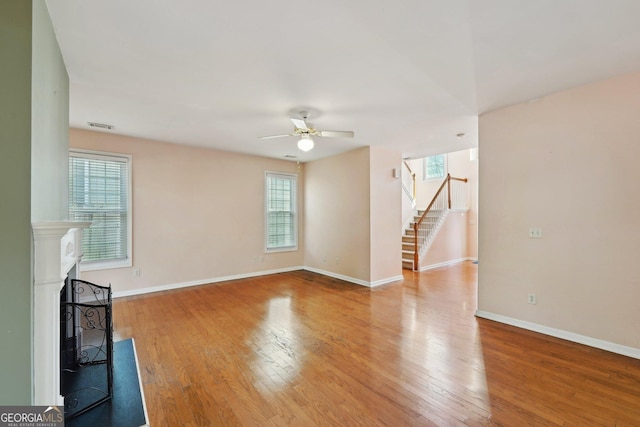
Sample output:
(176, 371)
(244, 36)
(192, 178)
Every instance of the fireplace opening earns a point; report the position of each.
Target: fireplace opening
(86, 346)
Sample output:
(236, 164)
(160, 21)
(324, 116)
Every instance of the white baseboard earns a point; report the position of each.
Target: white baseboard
(173, 286)
(385, 281)
(353, 279)
(565, 335)
(445, 263)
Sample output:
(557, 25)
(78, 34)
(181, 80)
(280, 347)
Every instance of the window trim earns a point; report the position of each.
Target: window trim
(425, 178)
(103, 155)
(296, 209)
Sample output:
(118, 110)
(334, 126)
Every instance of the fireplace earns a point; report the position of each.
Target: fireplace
(57, 253)
(86, 346)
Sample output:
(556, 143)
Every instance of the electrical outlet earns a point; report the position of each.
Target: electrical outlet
(531, 298)
(535, 233)
(136, 272)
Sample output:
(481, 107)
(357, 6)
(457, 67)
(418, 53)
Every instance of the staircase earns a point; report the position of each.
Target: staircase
(452, 194)
(430, 224)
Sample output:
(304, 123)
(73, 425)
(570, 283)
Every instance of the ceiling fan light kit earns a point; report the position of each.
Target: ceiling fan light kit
(305, 130)
(305, 143)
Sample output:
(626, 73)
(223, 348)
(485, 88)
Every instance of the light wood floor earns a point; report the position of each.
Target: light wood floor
(303, 349)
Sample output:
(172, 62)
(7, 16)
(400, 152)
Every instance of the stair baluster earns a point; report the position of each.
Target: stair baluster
(429, 220)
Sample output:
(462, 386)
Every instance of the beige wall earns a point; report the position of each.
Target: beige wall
(337, 215)
(386, 215)
(461, 165)
(567, 163)
(353, 212)
(198, 214)
(450, 244)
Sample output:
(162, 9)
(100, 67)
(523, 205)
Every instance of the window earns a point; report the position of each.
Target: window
(434, 167)
(280, 216)
(99, 193)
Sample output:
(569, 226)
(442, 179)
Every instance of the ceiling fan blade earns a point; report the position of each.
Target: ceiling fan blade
(299, 124)
(337, 133)
(276, 136)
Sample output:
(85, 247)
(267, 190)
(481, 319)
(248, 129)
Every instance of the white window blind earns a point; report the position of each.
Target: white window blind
(281, 224)
(99, 194)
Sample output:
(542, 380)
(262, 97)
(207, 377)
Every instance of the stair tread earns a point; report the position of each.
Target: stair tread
(430, 223)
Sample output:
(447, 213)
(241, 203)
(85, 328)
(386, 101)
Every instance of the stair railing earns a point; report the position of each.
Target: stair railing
(409, 181)
(435, 210)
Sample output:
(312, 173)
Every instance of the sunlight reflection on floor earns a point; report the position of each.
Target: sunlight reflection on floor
(277, 348)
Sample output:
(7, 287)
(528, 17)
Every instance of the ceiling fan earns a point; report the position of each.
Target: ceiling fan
(306, 130)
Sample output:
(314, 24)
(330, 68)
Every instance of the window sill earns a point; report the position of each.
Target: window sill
(287, 249)
(93, 266)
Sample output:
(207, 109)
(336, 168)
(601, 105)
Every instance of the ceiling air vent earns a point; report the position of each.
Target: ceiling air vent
(100, 125)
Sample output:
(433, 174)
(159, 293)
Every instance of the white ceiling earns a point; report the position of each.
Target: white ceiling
(406, 75)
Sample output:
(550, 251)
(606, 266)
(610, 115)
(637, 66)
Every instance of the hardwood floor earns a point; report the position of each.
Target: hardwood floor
(303, 349)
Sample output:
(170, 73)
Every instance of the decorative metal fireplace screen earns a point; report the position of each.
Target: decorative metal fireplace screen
(86, 334)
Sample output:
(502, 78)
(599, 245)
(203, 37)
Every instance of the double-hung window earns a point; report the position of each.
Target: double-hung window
(100, 193)
(434, 167)
(280, 212)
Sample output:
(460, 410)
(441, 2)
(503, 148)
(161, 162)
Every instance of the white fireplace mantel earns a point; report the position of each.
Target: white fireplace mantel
(57, 249)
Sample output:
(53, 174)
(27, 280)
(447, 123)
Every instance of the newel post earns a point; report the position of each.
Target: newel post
(415, 246)
(449, 190)
(413, 178)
